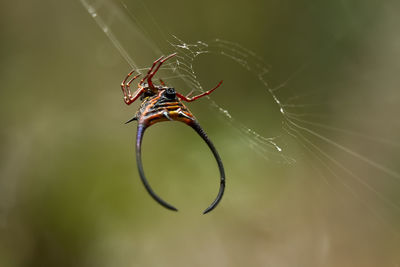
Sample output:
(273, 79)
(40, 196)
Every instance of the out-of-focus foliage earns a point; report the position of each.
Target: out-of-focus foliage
(70, 194)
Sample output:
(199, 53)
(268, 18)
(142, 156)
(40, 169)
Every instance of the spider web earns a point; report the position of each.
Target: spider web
(272, 148)
(348, 146)
(296, 123)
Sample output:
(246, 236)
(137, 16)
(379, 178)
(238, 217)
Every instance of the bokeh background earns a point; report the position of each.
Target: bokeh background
(70, 194)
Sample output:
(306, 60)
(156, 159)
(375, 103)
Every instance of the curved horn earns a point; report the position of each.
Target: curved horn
(196, 126)
(139, 138)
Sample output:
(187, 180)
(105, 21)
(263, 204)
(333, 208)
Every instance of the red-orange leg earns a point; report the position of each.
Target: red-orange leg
(123, 84)
(190, 93)
(135, 96)
(149, 77)
(127, 91)
(150, 69)
(188, 99)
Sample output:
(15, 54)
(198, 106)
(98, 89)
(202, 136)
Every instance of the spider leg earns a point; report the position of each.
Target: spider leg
(123, 84)
(190, 93)
(135, 96)
(188, 99)
(127, 86)
(131, 80)
(150, 69)
(162, 82)
(150, 76)
(126, 90)
(137, 93)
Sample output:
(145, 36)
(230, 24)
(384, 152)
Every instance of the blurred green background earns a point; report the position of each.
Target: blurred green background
(70, 194)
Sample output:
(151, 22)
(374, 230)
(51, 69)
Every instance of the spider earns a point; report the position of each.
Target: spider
(163, 103)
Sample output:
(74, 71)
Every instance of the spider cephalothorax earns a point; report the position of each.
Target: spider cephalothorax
(162, 103)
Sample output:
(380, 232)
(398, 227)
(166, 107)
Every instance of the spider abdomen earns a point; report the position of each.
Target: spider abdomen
(160, 108)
